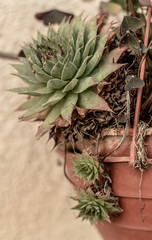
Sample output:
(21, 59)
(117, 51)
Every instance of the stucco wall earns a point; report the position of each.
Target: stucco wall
(34, 194)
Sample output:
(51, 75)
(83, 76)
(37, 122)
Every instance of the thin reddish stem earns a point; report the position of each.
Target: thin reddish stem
(139, 95)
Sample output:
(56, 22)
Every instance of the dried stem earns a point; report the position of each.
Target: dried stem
(132, 9)
(8, 56)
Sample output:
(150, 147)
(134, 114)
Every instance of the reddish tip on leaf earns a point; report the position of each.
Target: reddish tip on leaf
(81, 111)
(101, 85)
(100, 20)
(40, 116)
(42, 129)
(60, 122)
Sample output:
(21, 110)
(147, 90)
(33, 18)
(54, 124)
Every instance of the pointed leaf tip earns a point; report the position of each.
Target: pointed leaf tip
(42, 129)
(48, 123)
(90, 100)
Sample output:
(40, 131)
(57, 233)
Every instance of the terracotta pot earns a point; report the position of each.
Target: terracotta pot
(133, 188)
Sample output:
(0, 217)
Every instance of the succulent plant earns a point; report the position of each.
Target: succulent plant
(86, 168)
(61, 69)
(95, 208)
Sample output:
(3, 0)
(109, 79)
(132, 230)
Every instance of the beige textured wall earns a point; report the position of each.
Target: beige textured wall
(34, 194)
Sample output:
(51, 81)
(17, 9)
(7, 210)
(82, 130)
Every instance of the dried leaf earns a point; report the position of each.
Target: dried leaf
(105, 29)
(61, 122)
(81, 111)
(101, 85)
(130, 23)
(53, 16)
(133, 82)
(131, 41)
(100, 20)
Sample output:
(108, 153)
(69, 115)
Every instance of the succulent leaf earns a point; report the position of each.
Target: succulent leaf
(55, 97)
(37, 90)
(91, 30)
(28, 104)
(27, 51)
(90, 100)
(77, 57)
(64, 66)
(83, 84)
(53, 114)
(36, 107)
(92, 63)
(57, 70)
(40, 74)
(56, 83)
(68, 106)
(68, 71)
(25, 73)
(47, 66)
(25, 61)
(104, 70)
(82, 67)
(70, 85)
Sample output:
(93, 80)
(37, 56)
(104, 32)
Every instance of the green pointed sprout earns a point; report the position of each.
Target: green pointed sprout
(94, 208)
(60, 70)
(86, 168)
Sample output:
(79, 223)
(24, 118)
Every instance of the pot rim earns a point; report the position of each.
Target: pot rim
(125, 159)
(114, 132)
(120, 132)
(109, 159)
